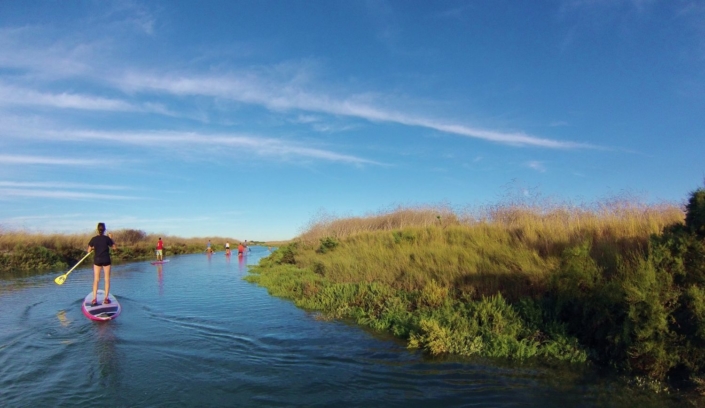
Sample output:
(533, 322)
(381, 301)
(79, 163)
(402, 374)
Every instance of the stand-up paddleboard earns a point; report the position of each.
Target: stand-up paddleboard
(159, 262)
(101, 312)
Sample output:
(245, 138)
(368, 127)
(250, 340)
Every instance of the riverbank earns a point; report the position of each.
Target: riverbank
(617, 284)
(30, 252)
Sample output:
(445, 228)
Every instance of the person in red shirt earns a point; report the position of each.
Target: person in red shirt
(240, 249)
(160, 248)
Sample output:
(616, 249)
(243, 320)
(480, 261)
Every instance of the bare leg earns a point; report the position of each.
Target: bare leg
(106, 270)
(96, 278)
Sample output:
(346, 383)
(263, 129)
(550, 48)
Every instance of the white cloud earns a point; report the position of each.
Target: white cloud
(282, 88)
(7, 193)
(42, 160)
(52, 184)
(12, 95)
(273, 94)
(536, 165)
(190, 143)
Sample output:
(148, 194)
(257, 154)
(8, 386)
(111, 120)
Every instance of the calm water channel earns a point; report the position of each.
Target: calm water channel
(193, 333)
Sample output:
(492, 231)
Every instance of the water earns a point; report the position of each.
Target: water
(193, 333)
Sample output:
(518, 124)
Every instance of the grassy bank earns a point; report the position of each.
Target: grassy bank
(30, 252)
(616, 283)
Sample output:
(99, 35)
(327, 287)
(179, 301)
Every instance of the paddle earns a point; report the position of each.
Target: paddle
(61, 279)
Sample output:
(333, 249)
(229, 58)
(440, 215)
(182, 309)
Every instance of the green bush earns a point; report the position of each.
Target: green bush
(327, 244)
(695, 213)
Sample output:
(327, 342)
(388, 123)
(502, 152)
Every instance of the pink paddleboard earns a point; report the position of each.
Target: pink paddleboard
(101, 312)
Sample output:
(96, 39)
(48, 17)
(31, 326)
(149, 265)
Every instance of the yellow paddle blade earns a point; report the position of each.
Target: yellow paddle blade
(60, 279)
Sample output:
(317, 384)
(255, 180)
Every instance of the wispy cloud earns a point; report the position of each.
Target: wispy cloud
(18, 184)
(7, 193)
(275, 95)
(55, 161)
(26, 48)
(20, 96)
(12, 95)
(536, 165)
(286, 87)
(189, 142)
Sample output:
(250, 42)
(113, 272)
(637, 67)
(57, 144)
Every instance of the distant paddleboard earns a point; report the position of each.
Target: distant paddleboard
(100, 312)
(160, 262)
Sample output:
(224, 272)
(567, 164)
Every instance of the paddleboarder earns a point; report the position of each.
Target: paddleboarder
(101, 244)
(160, 248)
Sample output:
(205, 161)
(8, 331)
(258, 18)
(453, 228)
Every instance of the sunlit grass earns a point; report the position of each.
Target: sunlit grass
(23, 250)
(518, 279)
(512, 247)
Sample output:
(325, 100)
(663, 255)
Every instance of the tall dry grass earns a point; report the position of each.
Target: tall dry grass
(31, 251)
(326, 225)
(534, 222)
(510, 248)
(10, 239)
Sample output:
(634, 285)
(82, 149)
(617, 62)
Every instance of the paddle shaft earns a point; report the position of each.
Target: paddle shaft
(63, 277)
(79, 262)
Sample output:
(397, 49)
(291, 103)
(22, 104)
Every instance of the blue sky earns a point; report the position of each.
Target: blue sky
(247, 119)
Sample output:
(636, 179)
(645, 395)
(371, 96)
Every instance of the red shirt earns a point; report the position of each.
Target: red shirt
(160, 245)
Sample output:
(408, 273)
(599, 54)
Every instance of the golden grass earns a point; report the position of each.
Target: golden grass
(534, 222)
(9, 239)
(401, 217)
(512, 248)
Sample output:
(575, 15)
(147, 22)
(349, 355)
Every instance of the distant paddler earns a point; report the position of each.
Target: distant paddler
(160, 248)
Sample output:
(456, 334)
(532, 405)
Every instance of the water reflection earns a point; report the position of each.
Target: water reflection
(160, 278)
(61, 315)
(242, 265)
(107, 355)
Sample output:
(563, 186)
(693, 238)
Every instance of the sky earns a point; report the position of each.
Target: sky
(252, 118)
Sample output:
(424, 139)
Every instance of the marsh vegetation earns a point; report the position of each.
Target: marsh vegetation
(25, 252)
(617, 283)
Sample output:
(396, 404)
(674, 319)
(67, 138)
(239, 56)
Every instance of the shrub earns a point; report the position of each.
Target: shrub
(327, 244)
(129, 236)
(695, 213)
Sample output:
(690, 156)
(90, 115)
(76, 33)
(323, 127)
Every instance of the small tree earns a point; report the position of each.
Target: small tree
(695, 213)
(129, 236)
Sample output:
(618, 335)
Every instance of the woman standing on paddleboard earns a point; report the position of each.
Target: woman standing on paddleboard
(101, 259)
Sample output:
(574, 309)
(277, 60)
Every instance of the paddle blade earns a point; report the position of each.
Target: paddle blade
(60, 279)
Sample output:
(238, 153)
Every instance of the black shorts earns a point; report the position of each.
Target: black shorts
(101, 263)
